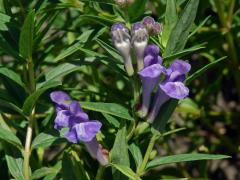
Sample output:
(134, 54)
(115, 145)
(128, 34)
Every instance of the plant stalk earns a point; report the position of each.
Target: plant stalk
(143, 165)
(28, 139)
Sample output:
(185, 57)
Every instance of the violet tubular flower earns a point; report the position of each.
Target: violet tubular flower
(150, 77)
(121, 41)
(80, 129)
(171, 87)
(139, 42)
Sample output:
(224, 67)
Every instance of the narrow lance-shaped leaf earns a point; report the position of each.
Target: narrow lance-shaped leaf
(126, 171)
(74, 47)
(4, 19)
(136, 153)
(14, 161)
(32, 99)
(180, 32)
(108, 108)
(183, 158)
(202, 70)
(26, 36)
(8, 136)
(119, 152)
(171, 18)
(11, 75)
(46, 139)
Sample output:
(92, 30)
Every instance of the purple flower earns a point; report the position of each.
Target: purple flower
(151, 55)
(139, 42)
(171, 87)
(80, 128)
(150, 77)
(71, 115)
(153, 27)
(121, 41)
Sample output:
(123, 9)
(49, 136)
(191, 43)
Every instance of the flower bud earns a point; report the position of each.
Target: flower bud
(98, 152)
(139, 42)
(121, 41)
(154, 28)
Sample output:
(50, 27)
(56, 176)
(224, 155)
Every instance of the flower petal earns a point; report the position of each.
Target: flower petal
(59, 97)
(62, 119)
(180, 66)
(175, 90)
(71, 136)
(160, 98)
(77, 111)
(152, 49)
(86, 131)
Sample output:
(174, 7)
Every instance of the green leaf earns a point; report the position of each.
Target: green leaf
(46, 139)
(180, 32)
(136, 153)
(72, 168)
(199, 26)
(8, 136)
(14, 161)
(164, 115)
(32, 99)
(126, 171)
(183, 158)
(48, 172)
(8, 49)
(44, 171)
(4, 19)
(184, 52)
(108, 108)
(187, 105)
(111, 120)
(203, 70)
(73, 48)
(26, 36)
(11, 75)
(60, 71)
(171, 18)
(120, 147)
(112, 64)
(9, 105)
(112, 51)
(136, 9)
(67, 168)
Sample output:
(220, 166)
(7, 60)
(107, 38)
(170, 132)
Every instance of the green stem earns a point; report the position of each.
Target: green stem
(231, 9)
(132, 130)
(28, 140)
(100, 173)
(27, 150)
(141, 169)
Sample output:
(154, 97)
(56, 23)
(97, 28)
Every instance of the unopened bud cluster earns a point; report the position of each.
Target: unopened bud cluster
(137, 40)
